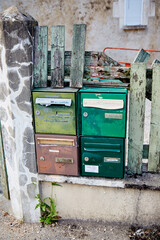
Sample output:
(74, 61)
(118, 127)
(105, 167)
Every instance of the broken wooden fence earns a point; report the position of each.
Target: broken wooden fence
(57, 67)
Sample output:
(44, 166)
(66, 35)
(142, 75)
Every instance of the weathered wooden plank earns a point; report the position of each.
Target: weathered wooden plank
(142, 56)
(57, 56)
(41, 57)
(154, 149)
(4, 180)
(78, 52)
(136, 117)
(107, 84)
(155, 61)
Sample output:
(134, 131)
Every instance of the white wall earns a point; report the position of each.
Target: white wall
(102, 28)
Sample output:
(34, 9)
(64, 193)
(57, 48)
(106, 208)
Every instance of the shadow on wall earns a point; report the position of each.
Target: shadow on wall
(0, 185)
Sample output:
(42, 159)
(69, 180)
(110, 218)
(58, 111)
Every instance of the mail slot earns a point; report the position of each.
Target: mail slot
(55, 110)
(57, 154)
(103, 112)
(102, 157)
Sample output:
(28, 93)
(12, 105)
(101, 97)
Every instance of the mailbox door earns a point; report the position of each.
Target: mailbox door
(102, 157)
(57, 154)
(54, 112)
(103, 114)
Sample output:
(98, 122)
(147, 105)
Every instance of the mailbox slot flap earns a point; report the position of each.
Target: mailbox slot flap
(101, 150)
(53, 101)
(108, 104)
(55, 142)
(102, 147)
(64, 160)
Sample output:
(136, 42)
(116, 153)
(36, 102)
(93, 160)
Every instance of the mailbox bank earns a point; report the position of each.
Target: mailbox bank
(98, 121)
(102, 127)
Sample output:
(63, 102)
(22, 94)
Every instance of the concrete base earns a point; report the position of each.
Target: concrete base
(125, 205)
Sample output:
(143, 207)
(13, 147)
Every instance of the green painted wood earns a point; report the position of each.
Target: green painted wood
(155, 61)
(142, 56)
(136, 117)
(4, 179)
(41, 57)
(57, 56)
(154, 149)
(78, 52)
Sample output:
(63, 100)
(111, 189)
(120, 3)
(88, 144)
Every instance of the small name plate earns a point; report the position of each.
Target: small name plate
(114, 115)
(91, 168)
(64, 160)
(112, 160)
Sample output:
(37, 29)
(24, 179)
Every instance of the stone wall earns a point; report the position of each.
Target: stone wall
(16, 52)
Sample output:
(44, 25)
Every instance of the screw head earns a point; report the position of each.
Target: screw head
(86, 159)
(37, 112)
(85, 114)
(42, 158)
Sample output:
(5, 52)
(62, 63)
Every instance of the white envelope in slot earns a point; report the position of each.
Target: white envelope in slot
(53, 101)
(110, 104)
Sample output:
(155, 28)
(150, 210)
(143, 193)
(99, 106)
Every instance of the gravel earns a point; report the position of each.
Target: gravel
(10, 228)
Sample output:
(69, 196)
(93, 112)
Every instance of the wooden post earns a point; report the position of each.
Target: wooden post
(154, 145)
(78, 52)
(136, 117)
(4, 179)
(57, 56)
(41, 57)
(142, 56)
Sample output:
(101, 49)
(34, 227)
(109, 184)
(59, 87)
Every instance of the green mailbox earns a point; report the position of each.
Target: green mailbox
(55, 110)
(102, 112)
(102, 157)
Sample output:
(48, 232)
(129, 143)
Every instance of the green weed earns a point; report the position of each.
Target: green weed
(48, 211)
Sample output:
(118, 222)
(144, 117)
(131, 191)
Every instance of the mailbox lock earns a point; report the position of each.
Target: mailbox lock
(86, 159)
(85, 114)
(37, 112)
(41, 158)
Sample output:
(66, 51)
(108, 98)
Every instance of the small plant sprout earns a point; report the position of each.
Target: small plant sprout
(49, 214)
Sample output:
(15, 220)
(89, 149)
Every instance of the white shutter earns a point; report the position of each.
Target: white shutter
(133, 12)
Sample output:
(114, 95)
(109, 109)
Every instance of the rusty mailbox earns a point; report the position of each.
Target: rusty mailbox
(57, 154)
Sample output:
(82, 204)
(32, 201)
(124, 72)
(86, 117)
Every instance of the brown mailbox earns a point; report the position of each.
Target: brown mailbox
(57, 154)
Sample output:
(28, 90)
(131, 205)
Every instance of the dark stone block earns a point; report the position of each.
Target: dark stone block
(22, 180)
(29, 150)
(23, 100)
(25, 71)
(19, 56)
(14, 80)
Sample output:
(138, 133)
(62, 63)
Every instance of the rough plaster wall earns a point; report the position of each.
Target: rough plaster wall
(102, 28)
(129, 206)
(16, 115)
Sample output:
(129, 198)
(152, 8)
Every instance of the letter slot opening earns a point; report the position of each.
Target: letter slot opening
(55, 142)
(108, 104)
(53, 101)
